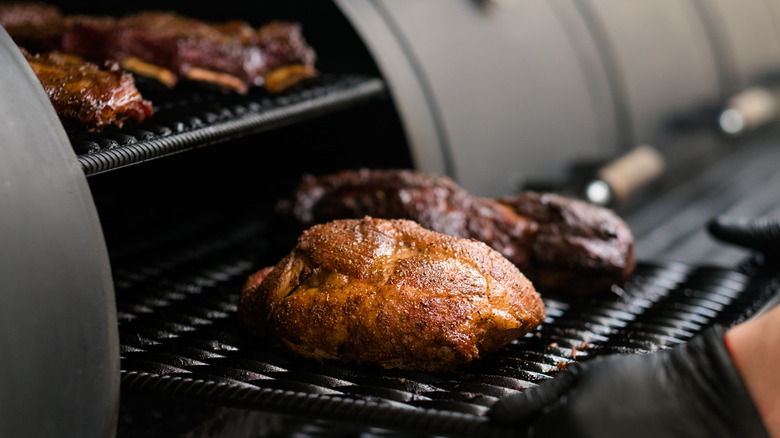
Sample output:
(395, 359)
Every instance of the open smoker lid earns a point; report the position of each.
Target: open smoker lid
(497, 94)
(478, 86)
(60, 367)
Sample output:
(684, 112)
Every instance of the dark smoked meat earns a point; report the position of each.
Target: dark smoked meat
(390, 293)
(85, 95)
(231, 54)
(559, 243)
(575, 244)
(170, 47)
(36, 26)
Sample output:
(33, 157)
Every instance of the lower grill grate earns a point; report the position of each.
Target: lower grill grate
(179, 337)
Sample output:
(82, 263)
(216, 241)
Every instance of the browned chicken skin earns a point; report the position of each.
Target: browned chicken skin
(390, 293)
(557, 242)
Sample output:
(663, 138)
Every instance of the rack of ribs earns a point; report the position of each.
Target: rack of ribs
(35, 26)
(84, 94)
(170, 47)
(560, 244)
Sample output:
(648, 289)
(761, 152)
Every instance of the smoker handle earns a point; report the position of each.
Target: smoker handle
(749, 110)
(59, 372)
(618, 179)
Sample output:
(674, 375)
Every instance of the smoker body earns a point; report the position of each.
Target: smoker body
(122, 252)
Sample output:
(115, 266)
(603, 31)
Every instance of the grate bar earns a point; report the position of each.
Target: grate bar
(172, 131)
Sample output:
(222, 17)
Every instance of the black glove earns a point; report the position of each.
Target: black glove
(691, 390)
(761, 234)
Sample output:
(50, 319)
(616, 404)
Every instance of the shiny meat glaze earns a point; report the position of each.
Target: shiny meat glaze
(87, 96)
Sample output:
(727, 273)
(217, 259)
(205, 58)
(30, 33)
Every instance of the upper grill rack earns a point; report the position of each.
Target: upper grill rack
(187, 118)
(179, 337)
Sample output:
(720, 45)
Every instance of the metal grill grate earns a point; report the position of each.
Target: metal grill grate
(187, 118)
(179, 337)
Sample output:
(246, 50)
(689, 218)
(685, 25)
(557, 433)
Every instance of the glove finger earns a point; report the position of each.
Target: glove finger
(761, 234)
(528, 404)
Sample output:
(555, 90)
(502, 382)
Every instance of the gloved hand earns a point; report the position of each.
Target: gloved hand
(760, 234)
(691, 390)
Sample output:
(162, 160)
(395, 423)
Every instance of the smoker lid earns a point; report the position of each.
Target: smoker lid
(180, 337)
(523, 94)
(60, 367)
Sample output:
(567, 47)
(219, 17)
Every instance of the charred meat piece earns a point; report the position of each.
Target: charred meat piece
(171, 47)
(559, 243)
(32, 16)
(390, 293)
(35, 26)
(86, 95)
(576, 245)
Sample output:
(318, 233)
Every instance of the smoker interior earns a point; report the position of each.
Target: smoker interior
(176, 303)
(186, 225)
(186, 202)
